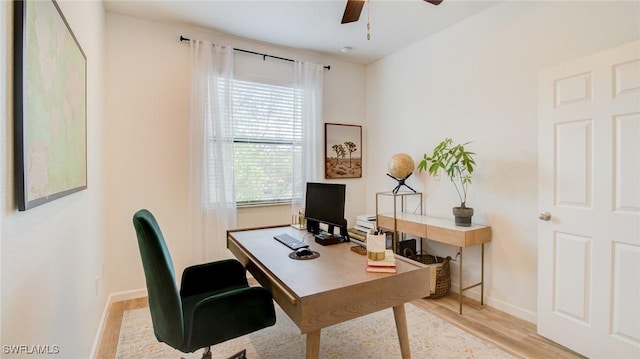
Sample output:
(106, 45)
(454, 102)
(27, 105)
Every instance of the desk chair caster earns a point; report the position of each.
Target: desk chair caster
(239, 355)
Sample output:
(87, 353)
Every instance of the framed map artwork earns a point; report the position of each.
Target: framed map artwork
(50, 108)
(342, 151)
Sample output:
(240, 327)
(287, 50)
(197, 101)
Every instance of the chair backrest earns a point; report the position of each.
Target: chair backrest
(164, 298)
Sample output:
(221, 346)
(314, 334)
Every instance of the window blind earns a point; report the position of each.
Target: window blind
(267, 134)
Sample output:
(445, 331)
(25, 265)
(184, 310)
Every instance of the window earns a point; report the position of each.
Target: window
(267, 134)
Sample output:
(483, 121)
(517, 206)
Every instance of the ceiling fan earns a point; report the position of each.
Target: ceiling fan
(354, 8)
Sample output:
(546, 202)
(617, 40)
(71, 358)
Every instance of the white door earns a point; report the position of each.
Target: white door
(589, 199)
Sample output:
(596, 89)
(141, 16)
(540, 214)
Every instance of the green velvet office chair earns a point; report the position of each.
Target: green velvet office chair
(214, 304)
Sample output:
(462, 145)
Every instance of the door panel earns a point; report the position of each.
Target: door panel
(573, 163)
(626, 289)
(626, 78)
(571, 276)
(627, 163)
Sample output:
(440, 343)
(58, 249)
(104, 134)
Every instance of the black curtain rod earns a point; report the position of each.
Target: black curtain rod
(264, 56)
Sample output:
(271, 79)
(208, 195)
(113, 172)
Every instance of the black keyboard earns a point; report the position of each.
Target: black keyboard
(290, 242)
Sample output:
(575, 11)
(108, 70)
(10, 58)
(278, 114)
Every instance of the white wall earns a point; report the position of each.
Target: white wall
(477, 81)
(147, 123)
(52, 255)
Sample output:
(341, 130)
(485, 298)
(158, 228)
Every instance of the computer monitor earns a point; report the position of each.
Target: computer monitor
(324, 203)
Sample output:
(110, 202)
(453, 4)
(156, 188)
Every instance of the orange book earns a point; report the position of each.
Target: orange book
(383, 269)
(387, 265)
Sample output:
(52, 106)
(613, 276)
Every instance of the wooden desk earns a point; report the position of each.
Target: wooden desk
(331, 289)
(444, 231)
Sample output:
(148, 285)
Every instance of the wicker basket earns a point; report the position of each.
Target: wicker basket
(443, 273)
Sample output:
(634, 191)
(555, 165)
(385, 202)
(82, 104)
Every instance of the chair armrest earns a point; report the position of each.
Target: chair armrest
(212, 277)
(230, 315)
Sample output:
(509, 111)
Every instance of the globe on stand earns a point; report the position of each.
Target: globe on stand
(400, 167)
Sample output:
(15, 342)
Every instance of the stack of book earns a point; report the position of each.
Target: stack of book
(386, 265)
(365, 222)
(357, 235)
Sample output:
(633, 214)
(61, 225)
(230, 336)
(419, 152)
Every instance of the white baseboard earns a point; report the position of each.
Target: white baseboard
(514, 310)
(98, 336)
(127, 295)
(113, 297)
(498, 304)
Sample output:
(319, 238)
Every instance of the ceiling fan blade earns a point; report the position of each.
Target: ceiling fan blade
(434, 2)
(352, 11)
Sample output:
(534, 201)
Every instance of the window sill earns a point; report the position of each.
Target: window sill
(256, 205)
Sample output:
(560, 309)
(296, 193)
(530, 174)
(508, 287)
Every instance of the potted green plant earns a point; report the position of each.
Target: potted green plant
(458, 164)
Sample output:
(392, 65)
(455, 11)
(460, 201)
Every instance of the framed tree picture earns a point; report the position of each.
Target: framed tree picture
(50, 107)
(342, 151)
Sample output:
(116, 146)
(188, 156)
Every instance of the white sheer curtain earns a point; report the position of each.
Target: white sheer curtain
(308, 84)
(211, 190)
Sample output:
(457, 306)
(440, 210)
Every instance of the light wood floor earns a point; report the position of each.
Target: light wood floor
(109, 340)
(513, 335)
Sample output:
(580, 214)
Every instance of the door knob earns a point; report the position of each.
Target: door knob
(544, 216)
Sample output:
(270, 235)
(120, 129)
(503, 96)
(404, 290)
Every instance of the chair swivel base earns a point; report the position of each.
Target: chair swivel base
(239, 355)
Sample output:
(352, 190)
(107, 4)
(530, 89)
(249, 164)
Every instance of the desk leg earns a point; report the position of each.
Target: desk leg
(313, 345)
(401, 327)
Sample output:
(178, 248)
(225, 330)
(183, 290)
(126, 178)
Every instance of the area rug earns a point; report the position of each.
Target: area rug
(371, 336)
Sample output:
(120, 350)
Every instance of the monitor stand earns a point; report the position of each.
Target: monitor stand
(326, 239)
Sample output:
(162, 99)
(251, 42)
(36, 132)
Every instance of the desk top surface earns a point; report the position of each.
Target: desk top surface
(337, 267)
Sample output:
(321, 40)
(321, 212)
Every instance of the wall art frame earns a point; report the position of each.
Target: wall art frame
(342, 151)
(50, 105)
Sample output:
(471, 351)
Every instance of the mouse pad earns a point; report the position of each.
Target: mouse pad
(313, 255)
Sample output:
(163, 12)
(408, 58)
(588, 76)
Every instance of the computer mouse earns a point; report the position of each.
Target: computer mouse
(303, 252)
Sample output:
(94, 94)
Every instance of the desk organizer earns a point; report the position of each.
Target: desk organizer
(376, 246)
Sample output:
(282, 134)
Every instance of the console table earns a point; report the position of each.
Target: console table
(444, 231)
